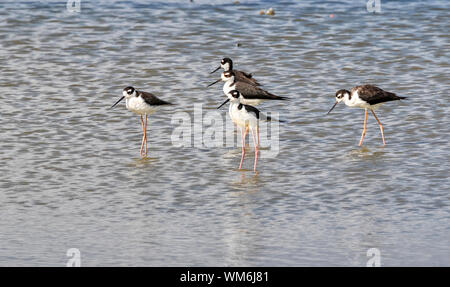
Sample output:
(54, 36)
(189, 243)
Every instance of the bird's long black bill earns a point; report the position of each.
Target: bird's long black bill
(214, 82)
(117, 102)
(332, 107)
(215, 70)
(223, 103)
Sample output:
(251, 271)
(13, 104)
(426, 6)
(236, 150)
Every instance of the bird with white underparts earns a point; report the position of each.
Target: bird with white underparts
(367, 97)
(227, 65)
(245, 117)
(251, 94)
(143, 104)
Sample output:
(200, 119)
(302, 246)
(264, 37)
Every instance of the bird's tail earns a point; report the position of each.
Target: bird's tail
(275, 97)
(395, 97)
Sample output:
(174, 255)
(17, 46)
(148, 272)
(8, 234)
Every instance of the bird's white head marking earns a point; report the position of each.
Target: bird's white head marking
(342, 95)
(226, 64)
(129, 92)
(227, 76)
(235, 96)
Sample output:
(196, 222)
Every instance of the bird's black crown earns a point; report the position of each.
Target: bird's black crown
(226, 60)
(340, 93)
(234, 93)
(129, 90)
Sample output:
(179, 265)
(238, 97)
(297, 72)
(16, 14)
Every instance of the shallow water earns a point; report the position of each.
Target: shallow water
(71, 175)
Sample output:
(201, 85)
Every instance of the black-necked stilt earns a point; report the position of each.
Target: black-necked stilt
(251, 95)
(367, 97)
(141, 103)
(227, 65)
(246, 117)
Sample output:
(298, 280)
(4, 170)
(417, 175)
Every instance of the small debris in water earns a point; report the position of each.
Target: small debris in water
(236, 2)
(238, 44)
(270, 12)
(331, 15)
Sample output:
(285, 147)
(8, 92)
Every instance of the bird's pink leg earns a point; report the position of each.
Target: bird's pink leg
(365, 127)
(143, 137)
(243, 135)
(257, 137)
(381, 126)
(256, 144)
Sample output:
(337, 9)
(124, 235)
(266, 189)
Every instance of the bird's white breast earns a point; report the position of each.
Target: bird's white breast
(242, 117)
(139, 106)
(227, 87)
(356, 102)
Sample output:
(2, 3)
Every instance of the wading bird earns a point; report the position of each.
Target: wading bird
(367, 97)
(227, 65)
(245, 117)
(143, 104)
(251, 95)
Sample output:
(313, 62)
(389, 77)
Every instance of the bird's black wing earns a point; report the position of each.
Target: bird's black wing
(253, 92)
(259, 115)
(374, 95)
(250, 109)
(152, 100)
(245, 77)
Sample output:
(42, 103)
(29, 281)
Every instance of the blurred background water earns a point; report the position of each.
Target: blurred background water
(70, 172)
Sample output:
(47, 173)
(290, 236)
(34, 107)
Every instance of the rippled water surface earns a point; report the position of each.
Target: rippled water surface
(70, 171)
